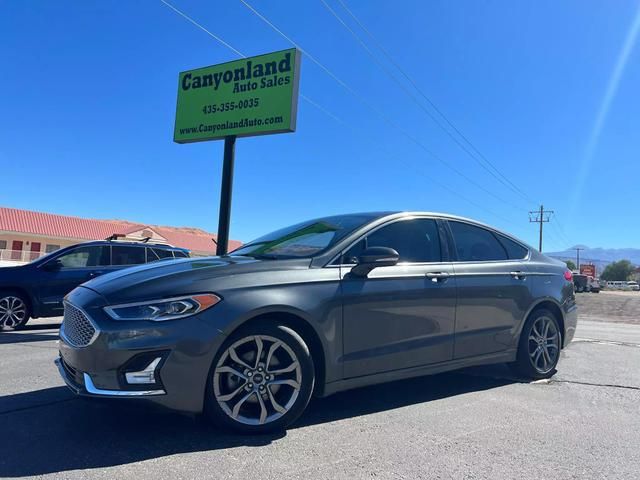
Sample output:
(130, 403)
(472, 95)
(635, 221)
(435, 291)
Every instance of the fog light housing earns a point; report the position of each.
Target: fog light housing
(143, 371)
(144, 377)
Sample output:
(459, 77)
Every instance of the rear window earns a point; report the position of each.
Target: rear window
(127, 255)
(154, 253)
(476, 244)
(514, 250)
(180, 254)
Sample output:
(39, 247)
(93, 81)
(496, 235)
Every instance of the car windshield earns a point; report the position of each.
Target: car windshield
(44, 258)
(305, 239)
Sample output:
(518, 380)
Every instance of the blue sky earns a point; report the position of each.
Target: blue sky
(546, 90)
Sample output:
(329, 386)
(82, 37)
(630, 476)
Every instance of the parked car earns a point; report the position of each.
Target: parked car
(633, 286)
(619, 285)
(37, 288)
(593, 285)
(580, 282)
(585, 283)
(313, 309)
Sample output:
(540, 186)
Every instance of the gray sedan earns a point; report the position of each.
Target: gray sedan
(320, 307)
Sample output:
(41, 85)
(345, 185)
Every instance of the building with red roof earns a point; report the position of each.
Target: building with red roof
(26, 235)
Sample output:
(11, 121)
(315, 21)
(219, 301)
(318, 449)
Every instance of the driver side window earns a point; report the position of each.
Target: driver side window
(415, 240)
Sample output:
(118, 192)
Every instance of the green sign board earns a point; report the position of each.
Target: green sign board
(252, 96)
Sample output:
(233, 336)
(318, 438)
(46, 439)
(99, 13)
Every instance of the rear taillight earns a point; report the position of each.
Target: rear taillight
(568, 276)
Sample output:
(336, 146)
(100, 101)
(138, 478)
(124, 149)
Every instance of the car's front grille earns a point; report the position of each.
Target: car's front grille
(76, 328)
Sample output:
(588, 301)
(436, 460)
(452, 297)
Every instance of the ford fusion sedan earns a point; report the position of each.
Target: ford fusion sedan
(37, 288)
(319, 307)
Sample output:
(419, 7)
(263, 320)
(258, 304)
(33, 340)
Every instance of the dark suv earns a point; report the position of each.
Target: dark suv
(37, 289)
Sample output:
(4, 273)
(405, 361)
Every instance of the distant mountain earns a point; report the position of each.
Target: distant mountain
(600, 257)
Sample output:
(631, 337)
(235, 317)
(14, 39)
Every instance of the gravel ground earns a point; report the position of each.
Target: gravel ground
(610, 306)
(479, 423)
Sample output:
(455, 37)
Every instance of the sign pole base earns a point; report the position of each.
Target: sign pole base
(225, 195)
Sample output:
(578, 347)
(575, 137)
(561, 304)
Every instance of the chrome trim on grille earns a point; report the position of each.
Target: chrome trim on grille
(91, 388)
(79, 339)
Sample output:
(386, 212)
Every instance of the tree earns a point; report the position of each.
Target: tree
(617, 271)
(570, 265)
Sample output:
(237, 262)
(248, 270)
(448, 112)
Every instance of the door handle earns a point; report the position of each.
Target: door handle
(437, 276)
(518, 275)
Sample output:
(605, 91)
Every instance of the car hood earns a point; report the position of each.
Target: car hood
(181, 277)
(8, 274)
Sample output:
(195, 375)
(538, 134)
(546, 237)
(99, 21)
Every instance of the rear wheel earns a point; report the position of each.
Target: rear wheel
(539, 346)
(260, 381)
(14, 310)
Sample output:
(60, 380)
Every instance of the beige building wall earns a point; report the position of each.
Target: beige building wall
(41, 245)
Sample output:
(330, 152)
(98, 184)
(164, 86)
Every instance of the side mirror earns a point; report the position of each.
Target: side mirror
(53, 265)
(374, 257)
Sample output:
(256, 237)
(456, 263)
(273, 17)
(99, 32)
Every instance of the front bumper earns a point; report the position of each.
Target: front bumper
(185, 347)
(81, 383)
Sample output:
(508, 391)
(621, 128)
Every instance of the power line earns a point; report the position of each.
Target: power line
(560, 239)
(420, 105)
(556, 239)
(376, 110)
(430, 102)
(336, 118)
(538, 216)
(189, 19)
(561, 229)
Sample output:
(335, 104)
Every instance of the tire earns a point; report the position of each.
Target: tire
(14, 310)
(238, 376)
(531, 362)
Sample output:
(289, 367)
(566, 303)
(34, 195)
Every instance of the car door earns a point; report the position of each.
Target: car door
(494, 290)
(399, 316)
(65, 272)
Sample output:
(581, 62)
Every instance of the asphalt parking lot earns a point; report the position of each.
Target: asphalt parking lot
(478, 423)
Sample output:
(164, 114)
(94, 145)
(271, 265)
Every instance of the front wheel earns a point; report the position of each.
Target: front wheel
(539, 346)
(14, 310)
(261, 380)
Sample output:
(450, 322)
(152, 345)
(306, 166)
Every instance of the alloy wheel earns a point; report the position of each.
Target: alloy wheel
(544, 344)
(257, 380)
(13, 311)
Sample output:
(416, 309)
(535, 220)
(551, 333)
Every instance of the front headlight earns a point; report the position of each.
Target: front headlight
(164, 309)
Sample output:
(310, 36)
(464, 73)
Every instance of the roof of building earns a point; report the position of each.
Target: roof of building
(49, 224)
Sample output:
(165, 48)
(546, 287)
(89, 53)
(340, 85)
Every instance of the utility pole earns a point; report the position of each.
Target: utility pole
(538, 216)
(577, 249)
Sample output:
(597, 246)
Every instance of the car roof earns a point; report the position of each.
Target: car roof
(449, 216)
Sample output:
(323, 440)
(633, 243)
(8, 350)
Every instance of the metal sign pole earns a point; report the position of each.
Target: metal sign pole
(225, 195)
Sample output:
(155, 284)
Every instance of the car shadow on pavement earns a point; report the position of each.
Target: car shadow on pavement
(52, 431)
